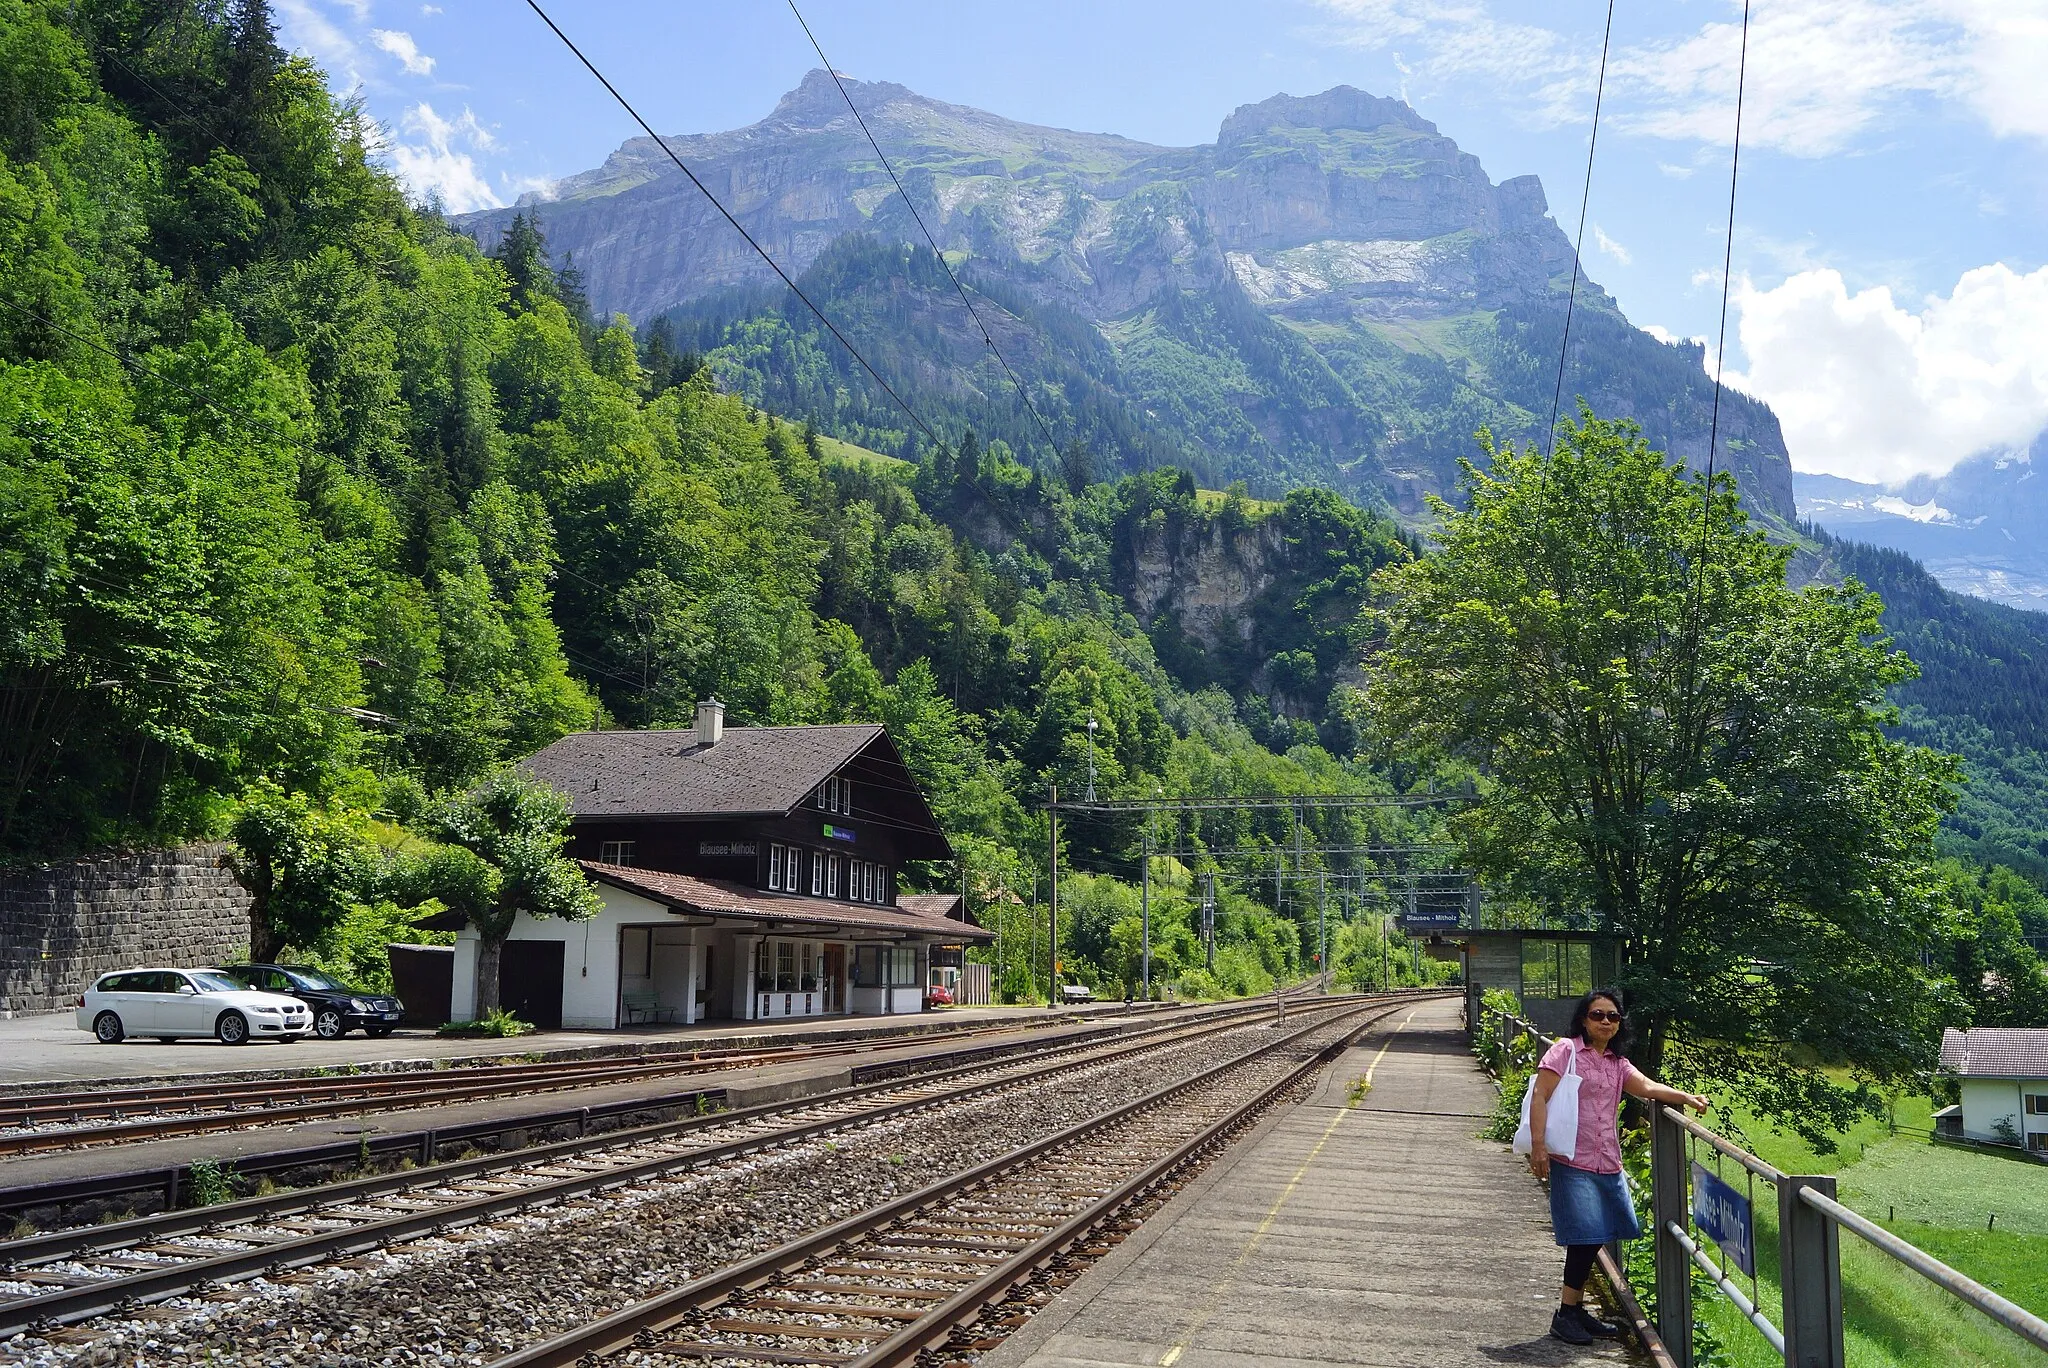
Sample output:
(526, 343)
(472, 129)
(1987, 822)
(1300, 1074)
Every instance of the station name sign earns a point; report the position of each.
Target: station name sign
(1723, 1213)
(747, 848)
(838, 833)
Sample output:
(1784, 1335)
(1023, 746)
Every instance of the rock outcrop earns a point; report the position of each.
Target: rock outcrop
(1399, 298)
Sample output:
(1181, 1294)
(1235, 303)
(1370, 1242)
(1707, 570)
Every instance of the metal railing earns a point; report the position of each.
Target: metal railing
(1810, 1221)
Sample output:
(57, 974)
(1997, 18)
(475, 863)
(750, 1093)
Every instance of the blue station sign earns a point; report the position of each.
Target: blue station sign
(837, 833)
(1723, 1214)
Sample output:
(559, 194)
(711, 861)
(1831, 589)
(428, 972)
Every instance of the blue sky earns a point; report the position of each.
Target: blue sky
(1891, 264)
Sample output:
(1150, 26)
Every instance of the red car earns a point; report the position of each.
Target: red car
(938, 996)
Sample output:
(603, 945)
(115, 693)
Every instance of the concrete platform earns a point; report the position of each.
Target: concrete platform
(50, 1049)
(1383, 1234)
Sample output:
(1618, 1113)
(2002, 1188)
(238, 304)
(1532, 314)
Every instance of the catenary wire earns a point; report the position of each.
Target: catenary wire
(759, 250)
(895, 180)
(1579, 246)
(1727, 255)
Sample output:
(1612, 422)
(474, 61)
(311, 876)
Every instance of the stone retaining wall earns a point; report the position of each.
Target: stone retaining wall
(63, 925)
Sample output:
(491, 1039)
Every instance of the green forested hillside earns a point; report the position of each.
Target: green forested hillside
(1982, 693)
(299, 487)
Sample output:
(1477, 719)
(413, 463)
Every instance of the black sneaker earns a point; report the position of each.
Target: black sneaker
(1593, 1325)
(1567, 1327)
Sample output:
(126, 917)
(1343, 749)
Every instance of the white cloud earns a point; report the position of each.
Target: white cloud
(1612, 248)
(1873, 391)
(1821, 73)
(434, 162)
(1675, 172)
(400, 45)
(430, 10)
(304, 25)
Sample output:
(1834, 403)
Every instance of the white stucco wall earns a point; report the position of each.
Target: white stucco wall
(1987, 1101)
(590, 958)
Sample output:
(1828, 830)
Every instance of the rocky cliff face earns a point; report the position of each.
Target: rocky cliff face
(1332, 290)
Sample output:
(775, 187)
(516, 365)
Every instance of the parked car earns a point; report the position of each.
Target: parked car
(938, 996)
(337, 1008)
(170, 1003)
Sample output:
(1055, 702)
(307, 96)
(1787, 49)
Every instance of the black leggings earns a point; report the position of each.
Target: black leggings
(1578, 1265)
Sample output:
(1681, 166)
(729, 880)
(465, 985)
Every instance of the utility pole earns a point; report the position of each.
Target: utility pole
(1209, 917)
(1052, 947)
(1145, 914)
(1385, 964)
(1323, 928)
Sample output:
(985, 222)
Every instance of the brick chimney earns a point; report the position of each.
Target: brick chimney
(710, 722)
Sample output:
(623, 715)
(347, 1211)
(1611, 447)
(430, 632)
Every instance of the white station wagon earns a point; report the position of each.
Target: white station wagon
(169, 1003)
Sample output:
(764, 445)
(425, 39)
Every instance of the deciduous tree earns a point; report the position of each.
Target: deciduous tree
(1687, 750)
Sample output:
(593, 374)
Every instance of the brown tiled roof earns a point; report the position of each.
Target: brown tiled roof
(717, 897)
(931, 904)
(1996, 1052)
(751, 770)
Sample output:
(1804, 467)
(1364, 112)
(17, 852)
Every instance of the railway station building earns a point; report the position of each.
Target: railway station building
(746, 874)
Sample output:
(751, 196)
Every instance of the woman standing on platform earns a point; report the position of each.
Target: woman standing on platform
(1589, 1202)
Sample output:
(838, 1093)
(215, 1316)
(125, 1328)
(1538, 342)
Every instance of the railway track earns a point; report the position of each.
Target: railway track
(38, 1122)
(42, 1122)
(68, 1277)
(947, 1272)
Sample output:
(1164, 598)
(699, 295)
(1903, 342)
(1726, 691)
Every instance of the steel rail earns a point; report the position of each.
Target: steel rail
(2011, 1315)
(137, 1288)
(622, 1328)
(266, 1095)
(426, 1141)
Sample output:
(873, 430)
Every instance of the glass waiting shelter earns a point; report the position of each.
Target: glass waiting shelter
(1549, 970)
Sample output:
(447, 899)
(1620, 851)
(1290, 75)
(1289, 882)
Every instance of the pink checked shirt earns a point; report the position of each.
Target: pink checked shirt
(1602, 1075)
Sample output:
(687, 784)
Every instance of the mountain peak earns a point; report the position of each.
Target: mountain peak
(1338, 107)
(817, 96)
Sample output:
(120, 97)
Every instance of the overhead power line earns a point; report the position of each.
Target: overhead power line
(910, 204)
(1579, 246)
(1728, 252)
(739, 228)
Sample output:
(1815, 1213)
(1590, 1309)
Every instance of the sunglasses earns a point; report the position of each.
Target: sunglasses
(1597, 1015)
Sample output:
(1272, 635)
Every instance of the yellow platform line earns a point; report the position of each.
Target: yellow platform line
(1209, 1304)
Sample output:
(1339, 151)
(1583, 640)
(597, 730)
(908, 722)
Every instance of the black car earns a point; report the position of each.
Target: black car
(337, 1008)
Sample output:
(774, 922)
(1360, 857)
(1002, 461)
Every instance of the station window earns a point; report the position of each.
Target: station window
(615, 852)
(817, 875)
(831, 876)
(1556, 969)
(2037, 1104)
(785, 967)
(775, 866)
(834, 795)
(886, 966)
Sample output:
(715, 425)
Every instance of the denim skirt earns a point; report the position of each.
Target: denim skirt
(1590, 1208)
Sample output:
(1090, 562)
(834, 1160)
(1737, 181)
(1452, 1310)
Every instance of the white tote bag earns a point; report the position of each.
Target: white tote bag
(1561, 1124)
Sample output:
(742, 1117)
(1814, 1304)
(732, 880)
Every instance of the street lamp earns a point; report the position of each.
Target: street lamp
(1091, 759)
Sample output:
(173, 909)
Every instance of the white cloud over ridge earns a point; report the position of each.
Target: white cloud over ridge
(436, 164)
(1821, 73)
(1870, 390)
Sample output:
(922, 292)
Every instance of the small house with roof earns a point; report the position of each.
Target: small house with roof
(746, 873)
(2001, 1073)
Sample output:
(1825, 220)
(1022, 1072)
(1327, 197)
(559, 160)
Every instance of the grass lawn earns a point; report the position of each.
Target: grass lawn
(835, 450)
(1943, 1198)
(1213, 498)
